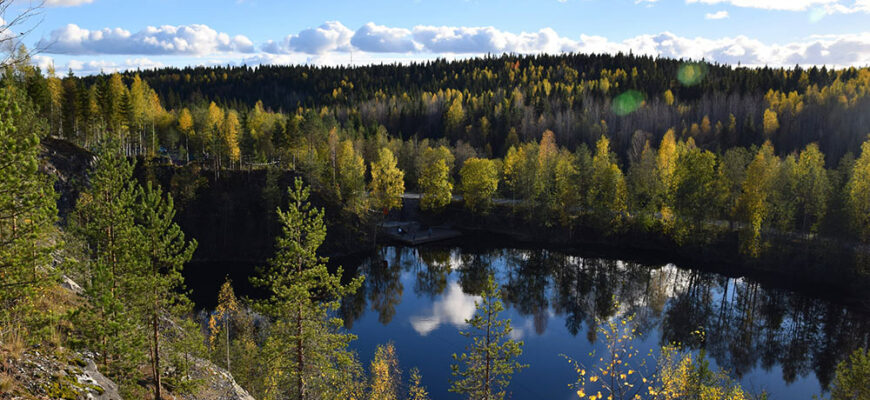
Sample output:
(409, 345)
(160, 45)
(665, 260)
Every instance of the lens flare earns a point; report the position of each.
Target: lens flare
(627, 102)
(691, 74)
(817, 14)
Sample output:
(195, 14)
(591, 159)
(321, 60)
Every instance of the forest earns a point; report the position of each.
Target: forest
(689, 152)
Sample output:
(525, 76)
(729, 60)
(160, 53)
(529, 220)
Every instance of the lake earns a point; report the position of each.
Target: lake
(771, 339)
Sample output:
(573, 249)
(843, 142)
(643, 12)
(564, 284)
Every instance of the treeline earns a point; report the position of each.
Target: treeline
(490, 103)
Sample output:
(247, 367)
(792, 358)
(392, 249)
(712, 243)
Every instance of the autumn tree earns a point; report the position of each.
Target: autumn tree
(416, 390)
(858, 193)
(484, 371)
(567, 188)
(387, 185)
(813, 188)
(697, 192)
(644, 187)
(351, 177)
(185, 125)
(230, 130)
(479, 182)
(770, 122)
(753, 203)
(434, 180)
(666, 164)
(607, 192)
(219, 321)
(385, 375)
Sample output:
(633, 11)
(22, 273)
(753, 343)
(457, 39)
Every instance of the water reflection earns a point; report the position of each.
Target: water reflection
(750, 329)
(453, 308)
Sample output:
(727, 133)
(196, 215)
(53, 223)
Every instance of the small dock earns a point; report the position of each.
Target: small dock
(413, 234)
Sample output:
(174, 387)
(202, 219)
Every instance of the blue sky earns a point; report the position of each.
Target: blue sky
(89, 36)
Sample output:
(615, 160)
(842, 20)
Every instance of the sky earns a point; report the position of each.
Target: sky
(90, 36)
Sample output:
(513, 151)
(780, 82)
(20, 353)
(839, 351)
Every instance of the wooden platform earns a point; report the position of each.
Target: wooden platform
(412, 234)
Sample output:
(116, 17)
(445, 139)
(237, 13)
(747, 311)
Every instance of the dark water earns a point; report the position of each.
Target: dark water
(771, 339)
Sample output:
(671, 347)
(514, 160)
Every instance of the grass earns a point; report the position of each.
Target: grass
(7, 383)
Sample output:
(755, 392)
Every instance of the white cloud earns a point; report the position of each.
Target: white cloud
(67, 3)
(444, 39)
(91, 67)
(334, 44)
(167, 39)
(786, 5)
(453, 308)
(382, 39)
(331, 36)
(717, 15)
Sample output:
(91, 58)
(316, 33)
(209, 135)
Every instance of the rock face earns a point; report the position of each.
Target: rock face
(218, 384)
(57, 375)
(63, 374)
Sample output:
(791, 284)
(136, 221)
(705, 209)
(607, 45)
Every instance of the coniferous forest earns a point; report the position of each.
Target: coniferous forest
(694, 159)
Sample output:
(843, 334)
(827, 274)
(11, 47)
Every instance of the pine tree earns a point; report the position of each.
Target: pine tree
(27, 212)
(159, 282)
(306, 349)
(104, 219)
(485, 370)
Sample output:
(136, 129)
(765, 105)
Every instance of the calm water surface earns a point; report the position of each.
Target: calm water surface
(419, 298)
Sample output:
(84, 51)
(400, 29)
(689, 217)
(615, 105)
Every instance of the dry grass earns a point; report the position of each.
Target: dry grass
(13, 345)
(7, 384)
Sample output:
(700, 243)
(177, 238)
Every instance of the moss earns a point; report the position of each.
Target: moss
(78, 361)
(66, 387)
(61, 389)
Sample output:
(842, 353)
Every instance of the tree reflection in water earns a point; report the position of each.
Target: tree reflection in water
(748, 326)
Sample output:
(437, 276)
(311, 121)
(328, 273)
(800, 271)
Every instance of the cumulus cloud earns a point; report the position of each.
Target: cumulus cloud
(164, 40)
(331, 36)
(382, 39)
(334, 44)
(444, 39)
(66, 3)
(717, 15)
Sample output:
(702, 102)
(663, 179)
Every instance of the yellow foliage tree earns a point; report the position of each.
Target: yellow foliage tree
(770, 122)
(388, 184)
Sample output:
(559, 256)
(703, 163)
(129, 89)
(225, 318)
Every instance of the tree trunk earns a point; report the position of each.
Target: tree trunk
(156, 361)
(227, 328)
(300, 357)
(157, 378)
